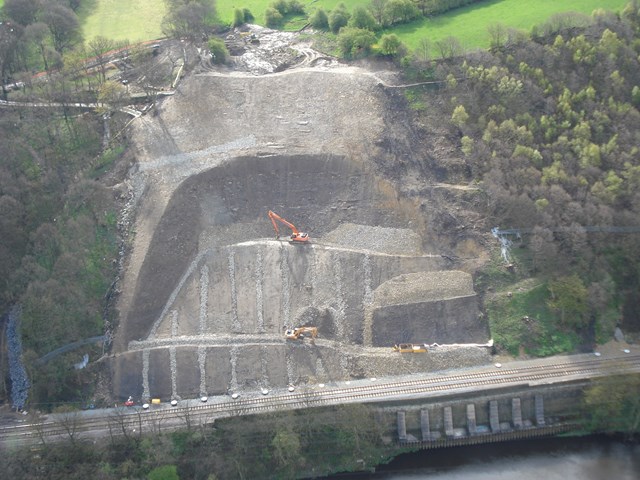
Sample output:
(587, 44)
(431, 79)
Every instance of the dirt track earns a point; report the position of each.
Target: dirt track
(306, 142)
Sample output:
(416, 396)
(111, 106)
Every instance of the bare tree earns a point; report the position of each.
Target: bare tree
(69, 420)
(497, 35)
(449, 48)
(99, 48)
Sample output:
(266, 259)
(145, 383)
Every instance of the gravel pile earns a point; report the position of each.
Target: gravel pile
(392, 241)
(424, 286)
(19, 381)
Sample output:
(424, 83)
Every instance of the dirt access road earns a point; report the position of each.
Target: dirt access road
(206, 293)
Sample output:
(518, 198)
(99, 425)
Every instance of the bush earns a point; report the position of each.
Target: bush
(362, 18)
(219, 52)
(338, 18)
(281, 6)
(390, 44)
(319, 20)
(238, 17)
(248, 16)
(355, 41)
(272, 17)
(295, 7)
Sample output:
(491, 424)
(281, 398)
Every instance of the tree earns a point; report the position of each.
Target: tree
(69, 420)
(219, 52)
(238, 17)
(377, 9)
(338, 18)
(286, 446)
(187, 20)
(9, 44)
(613, 404)
(449, 48)
(23, 12)
(320, 21)
(460, 116)
(354, 41)
(391, 45)
(64, 26)
(272, 17)
(423, 51)
(401, 11)
(497, 35)
(362, 18)
(248, 16)
(295, 7)
(98, 48)
(569, 297)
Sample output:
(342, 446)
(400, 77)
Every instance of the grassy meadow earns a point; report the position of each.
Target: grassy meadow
(135, 20)
(140, 19)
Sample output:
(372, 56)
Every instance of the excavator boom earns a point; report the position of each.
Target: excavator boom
(296, 236)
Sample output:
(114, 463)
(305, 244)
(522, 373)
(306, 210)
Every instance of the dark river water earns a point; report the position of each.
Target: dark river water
(590, 458)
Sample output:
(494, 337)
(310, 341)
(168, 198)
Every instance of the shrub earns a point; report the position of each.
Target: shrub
(390, 44)
(238, 17)
(319, 20)
(338, 18)
(272, 17)
(248, 16)
(219, 52)
(295, 7)
(354, 41)
(362, 18)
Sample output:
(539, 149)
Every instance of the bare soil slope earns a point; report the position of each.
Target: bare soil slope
(207, 293)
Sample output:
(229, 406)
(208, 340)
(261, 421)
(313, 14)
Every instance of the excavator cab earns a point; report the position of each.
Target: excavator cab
(295, 237)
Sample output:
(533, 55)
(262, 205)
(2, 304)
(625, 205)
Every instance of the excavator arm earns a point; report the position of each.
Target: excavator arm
(296, 236)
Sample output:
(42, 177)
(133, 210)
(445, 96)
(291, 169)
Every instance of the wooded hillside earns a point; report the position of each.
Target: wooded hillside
(548, 126)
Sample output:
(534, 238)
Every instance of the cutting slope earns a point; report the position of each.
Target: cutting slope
(207, 291)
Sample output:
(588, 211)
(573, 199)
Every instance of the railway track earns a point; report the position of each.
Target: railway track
(130, 421)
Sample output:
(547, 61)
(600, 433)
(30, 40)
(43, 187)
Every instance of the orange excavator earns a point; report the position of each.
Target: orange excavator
(298, 333)
(296, 236)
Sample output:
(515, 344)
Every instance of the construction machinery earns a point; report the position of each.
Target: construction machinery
(298, 333)
(295, 237)
(409, 348)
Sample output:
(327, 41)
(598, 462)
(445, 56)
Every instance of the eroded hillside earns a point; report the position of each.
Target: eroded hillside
(207, 293)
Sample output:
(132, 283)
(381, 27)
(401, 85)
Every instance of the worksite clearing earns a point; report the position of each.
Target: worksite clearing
(210, 300)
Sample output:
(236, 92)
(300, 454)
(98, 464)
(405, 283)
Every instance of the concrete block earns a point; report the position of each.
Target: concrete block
(471, 419)
(448, 422)
(516, 413)
(402, 427)
(424, 425)
(494, 418)
(539, 406)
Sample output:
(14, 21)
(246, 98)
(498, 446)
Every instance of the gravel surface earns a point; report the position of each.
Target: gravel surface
(424, 286)
(393, 241)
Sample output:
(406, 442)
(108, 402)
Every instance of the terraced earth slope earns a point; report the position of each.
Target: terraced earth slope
(208, 292)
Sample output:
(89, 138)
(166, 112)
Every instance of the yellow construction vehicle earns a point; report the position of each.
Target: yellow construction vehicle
(298, 333)
(295, 237)
(409, 348)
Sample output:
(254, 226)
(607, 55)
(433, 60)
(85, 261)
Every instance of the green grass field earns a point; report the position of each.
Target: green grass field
(133, 20)
(140, 19)
(469, 24)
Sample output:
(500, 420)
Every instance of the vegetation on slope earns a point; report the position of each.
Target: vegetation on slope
(303, 444)
(58, 222)
(549, 125)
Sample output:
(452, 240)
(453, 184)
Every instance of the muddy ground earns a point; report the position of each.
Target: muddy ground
(207, 292)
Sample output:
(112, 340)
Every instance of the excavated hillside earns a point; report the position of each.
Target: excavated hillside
(207, 291)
